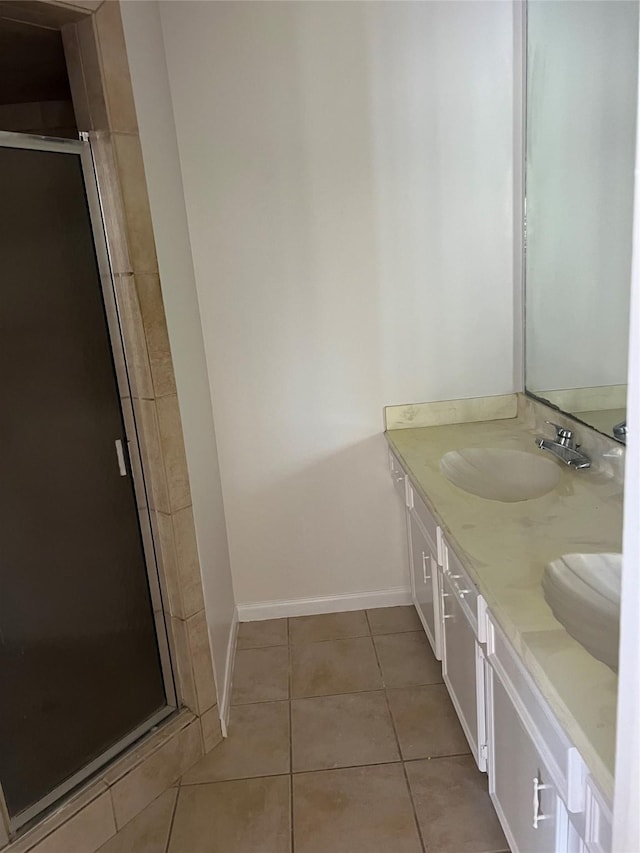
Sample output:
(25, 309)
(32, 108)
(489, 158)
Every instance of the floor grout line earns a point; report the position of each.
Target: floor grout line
(328, 769)
(399, 748)
(171, 822)
(292, 838)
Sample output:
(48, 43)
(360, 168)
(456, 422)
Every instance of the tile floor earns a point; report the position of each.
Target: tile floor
(342, 740)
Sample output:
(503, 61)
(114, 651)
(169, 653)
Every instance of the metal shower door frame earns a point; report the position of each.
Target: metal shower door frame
(82, 148)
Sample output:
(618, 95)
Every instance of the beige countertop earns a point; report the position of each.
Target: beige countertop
(505, 548)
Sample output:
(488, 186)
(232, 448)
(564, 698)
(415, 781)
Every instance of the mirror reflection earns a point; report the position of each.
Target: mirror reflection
(582, 61)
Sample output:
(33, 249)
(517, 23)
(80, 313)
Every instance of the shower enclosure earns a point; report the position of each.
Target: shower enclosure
(84, 665)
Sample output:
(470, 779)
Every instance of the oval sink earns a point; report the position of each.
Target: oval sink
(583, 591)
(500, 475)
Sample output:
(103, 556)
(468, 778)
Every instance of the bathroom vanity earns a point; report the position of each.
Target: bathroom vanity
(538, 710)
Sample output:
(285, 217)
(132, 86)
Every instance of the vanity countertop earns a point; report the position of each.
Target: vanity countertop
(505, 548)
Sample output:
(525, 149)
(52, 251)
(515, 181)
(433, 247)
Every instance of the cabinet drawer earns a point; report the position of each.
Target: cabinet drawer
(427, 519)
(462, 588)
(561, 758)
(398, 476)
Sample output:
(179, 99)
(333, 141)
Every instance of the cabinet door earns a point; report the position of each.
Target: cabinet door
(424, 572)
(522, 791)
(461, 661)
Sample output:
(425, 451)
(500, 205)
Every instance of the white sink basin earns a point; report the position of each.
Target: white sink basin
(500, 475)
(583, 591)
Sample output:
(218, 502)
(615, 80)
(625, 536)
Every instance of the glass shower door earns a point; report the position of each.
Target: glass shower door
(80, 669)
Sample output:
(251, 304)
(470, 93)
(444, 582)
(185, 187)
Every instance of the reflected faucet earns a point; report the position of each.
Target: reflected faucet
(564, 447)
(620, 432)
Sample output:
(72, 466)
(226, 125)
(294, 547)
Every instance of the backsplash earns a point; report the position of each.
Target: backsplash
(607, 455)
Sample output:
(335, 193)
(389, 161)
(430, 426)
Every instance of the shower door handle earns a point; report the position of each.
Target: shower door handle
(122, 463)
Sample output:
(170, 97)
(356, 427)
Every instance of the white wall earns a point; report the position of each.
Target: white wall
(581, 126)
(157, 132)
(348, 177)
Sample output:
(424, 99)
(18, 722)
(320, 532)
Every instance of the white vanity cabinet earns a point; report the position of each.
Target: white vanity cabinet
(538, 782)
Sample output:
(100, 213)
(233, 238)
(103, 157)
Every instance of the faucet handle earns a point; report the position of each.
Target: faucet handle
(564, 435)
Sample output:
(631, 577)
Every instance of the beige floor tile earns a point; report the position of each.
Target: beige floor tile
(393, 620)
(358, 810)
(453, 806)
(328, 626)
(426, 722)
(149, 831)
(245, 816)
(407, 659)
(342, 731)
(260, 675)
(270, 632)
(335, 666)
(257, 745)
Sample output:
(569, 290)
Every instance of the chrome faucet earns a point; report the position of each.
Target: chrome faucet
(564, 447)
(620, 432)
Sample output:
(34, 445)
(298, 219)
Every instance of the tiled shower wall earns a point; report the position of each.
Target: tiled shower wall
(103, 101)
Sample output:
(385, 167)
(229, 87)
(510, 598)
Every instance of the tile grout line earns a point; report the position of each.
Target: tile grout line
(400, 756)
(343, 693)
(291, 836)
(327, 769)
(172, 821)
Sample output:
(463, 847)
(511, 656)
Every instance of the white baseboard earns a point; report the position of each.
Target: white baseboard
(225, 703)
(258, 610)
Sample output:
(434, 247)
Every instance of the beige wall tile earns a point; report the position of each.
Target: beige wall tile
(136, 203)
(153, 742)
(76, 76)
(188, 564)
(87, 5)
(169, 564)
(54, 821)
(201, 661)
(4, 823)
(135, 344)
(152, 457)
(173, 452)
(42, 14)
(112, 204)
(92, 75)
(150, 778)
(87, 830)
(183, 664)
(155, 328)
(115, 68)
(148, 832)
(211, 731)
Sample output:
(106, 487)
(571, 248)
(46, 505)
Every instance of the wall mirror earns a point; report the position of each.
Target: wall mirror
(581, 83)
